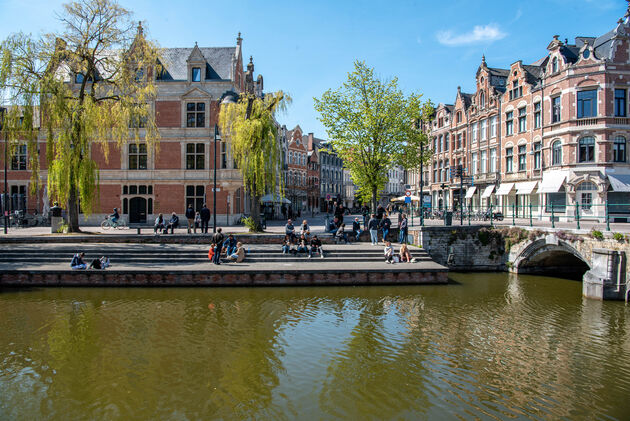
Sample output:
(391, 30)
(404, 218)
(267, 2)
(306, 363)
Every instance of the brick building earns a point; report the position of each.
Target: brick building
(553, 134)
(189, 90)
(296, 181)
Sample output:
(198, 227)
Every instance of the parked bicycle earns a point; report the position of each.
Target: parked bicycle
(108, 223)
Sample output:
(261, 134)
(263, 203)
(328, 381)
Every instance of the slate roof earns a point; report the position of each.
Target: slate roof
(602, 44)
(467, 99)
(533, 74)
(218, 59)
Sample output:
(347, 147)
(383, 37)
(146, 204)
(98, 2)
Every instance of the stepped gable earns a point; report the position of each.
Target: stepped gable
(218, 62)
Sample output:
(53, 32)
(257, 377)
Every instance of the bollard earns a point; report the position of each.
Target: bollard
(531, 224)
(607, 217)
(513, 215)
(577, 214)
(491, 215)
(553, 218)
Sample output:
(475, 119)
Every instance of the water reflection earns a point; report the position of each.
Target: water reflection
(488, 346)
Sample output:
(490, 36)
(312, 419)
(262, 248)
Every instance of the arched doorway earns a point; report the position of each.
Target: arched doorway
(137, 210)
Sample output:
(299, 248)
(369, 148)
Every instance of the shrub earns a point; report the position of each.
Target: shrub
(598, 235)
(249, 223)
(619, 236)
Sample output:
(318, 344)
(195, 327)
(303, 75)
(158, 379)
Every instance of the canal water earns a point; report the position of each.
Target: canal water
(487, 346)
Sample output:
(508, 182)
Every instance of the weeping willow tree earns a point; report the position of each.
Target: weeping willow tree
(250, 126)
(93, 84)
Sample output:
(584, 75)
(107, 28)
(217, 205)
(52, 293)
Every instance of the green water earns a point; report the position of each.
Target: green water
(487, 346)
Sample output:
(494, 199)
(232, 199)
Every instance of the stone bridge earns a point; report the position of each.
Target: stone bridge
(576, 254)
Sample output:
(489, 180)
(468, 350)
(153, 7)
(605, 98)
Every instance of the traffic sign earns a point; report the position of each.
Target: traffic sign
(408, 193)
(407, 199)
(327, 197)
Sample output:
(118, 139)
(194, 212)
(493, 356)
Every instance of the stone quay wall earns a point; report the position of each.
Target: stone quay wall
(112, 278)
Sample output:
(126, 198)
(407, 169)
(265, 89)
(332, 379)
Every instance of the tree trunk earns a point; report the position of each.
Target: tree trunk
(255, 212)
(73, 211)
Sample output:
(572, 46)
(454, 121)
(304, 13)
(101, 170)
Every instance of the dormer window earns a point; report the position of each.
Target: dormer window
(586, 53)
(196, 74)
(554, 65)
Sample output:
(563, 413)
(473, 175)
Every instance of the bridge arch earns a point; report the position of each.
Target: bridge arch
(555, 257)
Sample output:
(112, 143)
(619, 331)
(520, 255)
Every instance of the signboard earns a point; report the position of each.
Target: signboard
(427, 201)
(407, 199)
(327, 197)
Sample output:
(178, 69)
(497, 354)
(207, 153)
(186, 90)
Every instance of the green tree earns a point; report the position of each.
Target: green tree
(92, 84)
(371, 125)
(250, 126)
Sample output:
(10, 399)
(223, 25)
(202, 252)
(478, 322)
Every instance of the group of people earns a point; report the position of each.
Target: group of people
(233, 250)
(384, 224)
(78, 263)
(404, 255)
(199, 219)
(301, 241)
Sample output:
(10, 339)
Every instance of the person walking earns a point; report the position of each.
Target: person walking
(380, 211)
(403, 230)
(339, 212)
(204, 213)
(385, 225)
(190, 216)
(366, 216)
(356, 228)
(373, 228)
(217, 239)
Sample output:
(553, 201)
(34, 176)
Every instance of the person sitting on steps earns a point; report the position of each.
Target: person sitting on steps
(302, 244)
(286, 244)
(388, 252)
(405, 254)
(342, 234)
(239, 254)
(159, 224)
(230, 245)
(77, 262)
(173, 223)
(316, 246)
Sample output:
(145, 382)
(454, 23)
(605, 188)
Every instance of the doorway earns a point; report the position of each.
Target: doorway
(137, 210)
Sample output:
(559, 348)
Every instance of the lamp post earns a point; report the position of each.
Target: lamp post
(5, 212)
(217, 138)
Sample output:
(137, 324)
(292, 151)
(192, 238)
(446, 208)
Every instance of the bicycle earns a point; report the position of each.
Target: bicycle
(107, 224)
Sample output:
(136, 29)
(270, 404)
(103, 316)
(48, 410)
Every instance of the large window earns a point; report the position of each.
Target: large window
(484, 162)
(493, 160)
(586, 149)
(537, 115)
(522, 119)
(195, 156)
(446, 140)
(474, 162)
(555, 109)
(516, 91)
(619, 149)
(195, 114)
(620, 103)
(459, 141)
(137, 156)
(224, 154)
(585, 190)
(493, 127)
(18, 161)
(483, 129)
(475, 132)
(509, 160)
(195, 196)
(522, 157)
(556, 153)
(509, 123)
(587, 103)
(537, 147)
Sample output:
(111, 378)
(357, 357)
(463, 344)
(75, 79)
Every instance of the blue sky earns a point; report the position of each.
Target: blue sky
(306, 47)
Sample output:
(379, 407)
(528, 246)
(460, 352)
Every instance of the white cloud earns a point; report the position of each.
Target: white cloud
(488, 33)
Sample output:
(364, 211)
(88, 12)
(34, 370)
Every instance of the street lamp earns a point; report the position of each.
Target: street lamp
(6, 186)
(217, 138)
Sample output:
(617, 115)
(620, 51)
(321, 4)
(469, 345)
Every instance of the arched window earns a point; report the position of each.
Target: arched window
(554, 65)
(586, 149)
(619, 149)
(482, 100)
(586, 186)
(556, 153)
(459, 117)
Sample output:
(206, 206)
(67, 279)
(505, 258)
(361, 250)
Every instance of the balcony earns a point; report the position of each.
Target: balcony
(587, 121)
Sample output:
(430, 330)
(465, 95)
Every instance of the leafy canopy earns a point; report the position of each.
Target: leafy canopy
(92, 83)
(371, 125)
(250, 126)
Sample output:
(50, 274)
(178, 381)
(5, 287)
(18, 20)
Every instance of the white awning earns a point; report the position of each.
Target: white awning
(552, 181)
(470, 192)
(271, 199)
(487, 191)
(620, 182)
(526, 187)
(505, 189)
